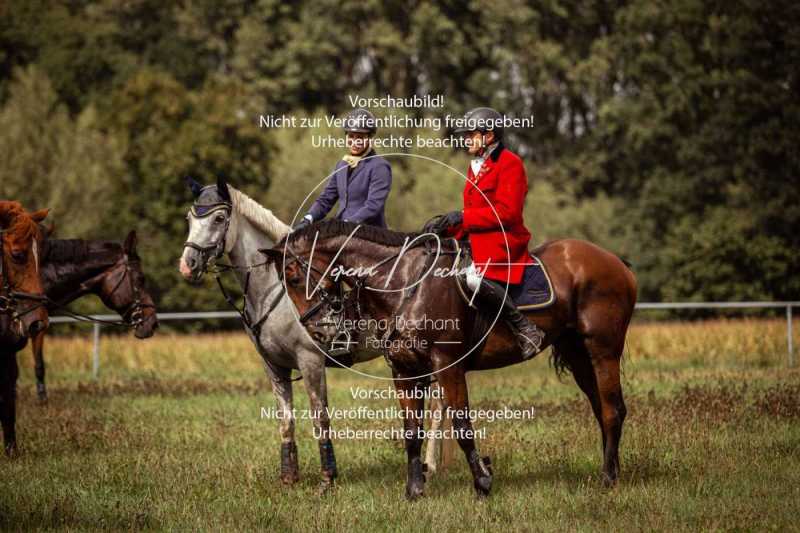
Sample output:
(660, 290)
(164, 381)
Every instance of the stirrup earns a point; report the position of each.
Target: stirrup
(340, 349)
(530, 343)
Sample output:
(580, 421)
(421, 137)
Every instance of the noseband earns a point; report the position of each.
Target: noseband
(133, 315)
(214, 250)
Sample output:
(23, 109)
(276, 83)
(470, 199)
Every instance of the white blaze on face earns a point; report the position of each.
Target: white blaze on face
(35, 250)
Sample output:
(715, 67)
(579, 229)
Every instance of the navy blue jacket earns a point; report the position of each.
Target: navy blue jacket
(361, 196)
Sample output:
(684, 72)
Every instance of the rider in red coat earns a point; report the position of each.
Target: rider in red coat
(494, 196)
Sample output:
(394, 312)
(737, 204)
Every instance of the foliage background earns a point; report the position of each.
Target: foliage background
(666, 131)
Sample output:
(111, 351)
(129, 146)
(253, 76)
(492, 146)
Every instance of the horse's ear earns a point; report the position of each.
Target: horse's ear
(194, 186)
(222, 189)
(273, 255)
(49, 229)
(40, 215)
(130, 243)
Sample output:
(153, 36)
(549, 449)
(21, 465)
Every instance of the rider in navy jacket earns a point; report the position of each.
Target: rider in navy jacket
(361, 180)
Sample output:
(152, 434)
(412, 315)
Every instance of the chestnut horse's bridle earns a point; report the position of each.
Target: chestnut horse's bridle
(9, 298)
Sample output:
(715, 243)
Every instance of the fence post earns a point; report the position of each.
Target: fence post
(96, 351)
(789, 333)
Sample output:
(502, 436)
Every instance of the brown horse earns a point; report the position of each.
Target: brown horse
(22, 311)
(586, 326)
(73, 268)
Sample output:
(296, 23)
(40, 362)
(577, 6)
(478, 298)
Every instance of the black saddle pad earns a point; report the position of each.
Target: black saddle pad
(535, 290)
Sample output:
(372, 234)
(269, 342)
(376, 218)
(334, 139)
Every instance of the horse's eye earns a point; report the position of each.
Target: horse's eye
(220, 218)
(19, 257)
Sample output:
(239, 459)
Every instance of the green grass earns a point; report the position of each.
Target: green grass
(170, 438)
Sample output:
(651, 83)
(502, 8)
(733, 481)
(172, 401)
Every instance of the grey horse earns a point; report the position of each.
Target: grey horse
(225, 221)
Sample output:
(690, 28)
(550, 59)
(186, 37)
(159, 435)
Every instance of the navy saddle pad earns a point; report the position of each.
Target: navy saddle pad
(535, 290)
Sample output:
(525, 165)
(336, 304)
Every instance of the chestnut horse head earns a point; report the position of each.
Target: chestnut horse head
(21, 292)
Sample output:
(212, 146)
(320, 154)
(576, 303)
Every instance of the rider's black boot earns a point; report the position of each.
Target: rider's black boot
(528, 335)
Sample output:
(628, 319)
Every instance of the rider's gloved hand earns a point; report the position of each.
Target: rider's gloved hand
(303, 222)
(454, 218)
(441, 223)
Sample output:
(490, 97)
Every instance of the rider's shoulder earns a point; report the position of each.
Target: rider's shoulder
(507, 157)
(379, 161)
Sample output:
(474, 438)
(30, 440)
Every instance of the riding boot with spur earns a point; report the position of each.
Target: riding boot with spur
(528, 335)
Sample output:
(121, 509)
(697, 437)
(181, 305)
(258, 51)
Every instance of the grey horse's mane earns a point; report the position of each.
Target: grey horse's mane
(261, 217)
(335, 228)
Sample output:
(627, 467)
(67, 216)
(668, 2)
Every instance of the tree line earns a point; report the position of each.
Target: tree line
(665, 131)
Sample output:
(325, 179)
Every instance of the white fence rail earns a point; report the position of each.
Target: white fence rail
(643, 306)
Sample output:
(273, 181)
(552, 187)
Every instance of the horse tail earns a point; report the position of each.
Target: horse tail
(564, 351)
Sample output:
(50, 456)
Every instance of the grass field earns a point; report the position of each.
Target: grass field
(170, 437)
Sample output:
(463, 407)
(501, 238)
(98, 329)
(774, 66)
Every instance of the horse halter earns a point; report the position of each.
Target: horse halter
(217, 248)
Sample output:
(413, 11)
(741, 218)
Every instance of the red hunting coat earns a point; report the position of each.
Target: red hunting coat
(503, 182)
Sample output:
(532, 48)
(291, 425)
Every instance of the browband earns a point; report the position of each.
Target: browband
(202, 211)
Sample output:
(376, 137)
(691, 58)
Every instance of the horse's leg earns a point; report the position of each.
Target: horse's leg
(37, 345)
(455, 388)
(282, 388)
(433, 448)
(605, 360)
(312, 367)
(413, 426)
(8, 399)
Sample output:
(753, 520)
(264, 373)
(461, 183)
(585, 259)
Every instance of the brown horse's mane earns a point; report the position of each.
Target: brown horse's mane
(329, 229)
(78, 250)
(15, 221)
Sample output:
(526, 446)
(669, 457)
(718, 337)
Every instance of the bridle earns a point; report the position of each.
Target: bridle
(338, 299)
(211, 253)
(133, 314)
(9, 298)
(214, 250)
(335, 301)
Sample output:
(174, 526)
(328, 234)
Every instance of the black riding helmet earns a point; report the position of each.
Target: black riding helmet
(360, 121)
(482, 119)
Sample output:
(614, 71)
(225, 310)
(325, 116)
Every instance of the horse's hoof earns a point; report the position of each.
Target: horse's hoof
(481, 473)
(326, 486)
(290, 479)
(290, 473)
(609, 482)
(483, 486)
(11, 450)
(41, 392)
(414, 491)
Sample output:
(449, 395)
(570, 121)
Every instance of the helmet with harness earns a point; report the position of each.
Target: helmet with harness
(482, 119)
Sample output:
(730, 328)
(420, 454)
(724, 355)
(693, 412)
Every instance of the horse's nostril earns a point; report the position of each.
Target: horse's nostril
(192, 262)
